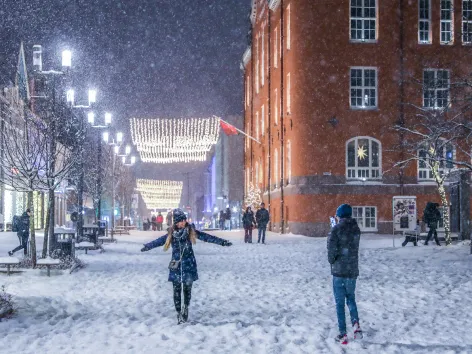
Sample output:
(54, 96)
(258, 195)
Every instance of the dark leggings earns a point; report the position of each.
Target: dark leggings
(178, 295)
(23, 237)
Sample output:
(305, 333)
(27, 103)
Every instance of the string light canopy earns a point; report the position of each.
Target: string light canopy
(160, 194)
(174, 140)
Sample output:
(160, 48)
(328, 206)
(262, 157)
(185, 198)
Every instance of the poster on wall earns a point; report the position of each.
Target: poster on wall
(404, 213)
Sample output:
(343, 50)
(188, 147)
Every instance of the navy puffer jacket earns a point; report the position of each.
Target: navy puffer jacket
(343, 249)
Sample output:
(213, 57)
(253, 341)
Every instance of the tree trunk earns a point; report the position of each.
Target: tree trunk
(52, 206)
(46, 232)
(447, 221)
(33, 236)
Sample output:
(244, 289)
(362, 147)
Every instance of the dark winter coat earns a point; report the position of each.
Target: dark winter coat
(187, 271)
(262, 217)
(24, 225)
(248, 220)
(431, 215)
(222, 215)
(343, 249)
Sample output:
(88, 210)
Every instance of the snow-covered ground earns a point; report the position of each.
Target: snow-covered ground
(250, 298)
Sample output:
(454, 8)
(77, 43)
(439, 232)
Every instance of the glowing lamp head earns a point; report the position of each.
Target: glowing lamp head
(123, 159)
(106, 136)
(92, 96)
(107, 118)
(116, 149)
(66, 58)
(91, 117)
(128, 149)
(133, 160)
(70, 96)
(119, 137)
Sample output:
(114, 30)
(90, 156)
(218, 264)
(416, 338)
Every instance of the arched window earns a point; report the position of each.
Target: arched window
(445, 155)
(276, 168)
(289, 161)
(363, 158)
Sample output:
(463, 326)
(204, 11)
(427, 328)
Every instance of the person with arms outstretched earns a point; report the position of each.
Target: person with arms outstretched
(183, 266)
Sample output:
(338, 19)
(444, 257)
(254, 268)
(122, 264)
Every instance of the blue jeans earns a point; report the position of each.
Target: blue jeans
(261, 232)
(344, 293)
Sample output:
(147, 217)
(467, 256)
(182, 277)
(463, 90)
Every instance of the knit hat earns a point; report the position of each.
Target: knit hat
(344, 211)
(179, 215)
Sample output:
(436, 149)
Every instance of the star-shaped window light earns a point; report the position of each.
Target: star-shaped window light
(361, 152)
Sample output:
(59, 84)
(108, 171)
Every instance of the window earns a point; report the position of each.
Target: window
(262, 120)
(289, 161)
(363, 88)
(248, 181)
(276, 40)
(445, 154)
(276, 107)
(276, 168)
(288, 27)
(257, 174)
(289, 101)
(366, 217)
(262, 59)
(363, 158)
(257, 65)
(247, 91)
(424, 21)
(260, 172)
(247, 139)
(467, 21)
(435, 88)
(363, 20)
(257, 125)
(447, 22)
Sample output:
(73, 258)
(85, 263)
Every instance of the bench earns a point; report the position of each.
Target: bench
(85, 246)
(105, 239)
(9, 261)
(48, 262)
(119, 232)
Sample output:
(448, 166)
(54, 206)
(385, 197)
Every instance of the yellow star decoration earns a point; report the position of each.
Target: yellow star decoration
(361, 152)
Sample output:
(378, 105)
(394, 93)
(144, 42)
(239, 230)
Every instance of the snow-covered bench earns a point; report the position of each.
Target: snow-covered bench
(105, 239)
(48, 262)
(85, 246)
(9, 261)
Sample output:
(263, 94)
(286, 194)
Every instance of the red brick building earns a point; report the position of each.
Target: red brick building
(324, 83)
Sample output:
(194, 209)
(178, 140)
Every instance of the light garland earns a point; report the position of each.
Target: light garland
(160, 194)
(174, 140)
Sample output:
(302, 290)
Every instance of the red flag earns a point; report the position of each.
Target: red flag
(228, 128)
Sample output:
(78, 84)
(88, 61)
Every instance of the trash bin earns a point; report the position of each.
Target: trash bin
(65, 242)
(102, 228)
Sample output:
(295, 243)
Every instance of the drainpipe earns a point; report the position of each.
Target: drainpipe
(269, 111)
(402, 94)
(282, 127)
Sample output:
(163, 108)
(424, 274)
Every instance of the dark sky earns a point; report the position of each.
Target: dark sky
(147, 58)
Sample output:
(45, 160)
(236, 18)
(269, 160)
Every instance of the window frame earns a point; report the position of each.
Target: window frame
(424, 174)
(363, 88)
(364, 217)
(257, 125)
(289, 161)
(276, 39)
(467, 22)
(262, 120)
(358, 173)
(424, 21)
(288, 36)
(445, 22)
(257, 65)
(276, 107)
(363, 21)
(276, 168)
(289, 98)
(436, 89)
(262, 60)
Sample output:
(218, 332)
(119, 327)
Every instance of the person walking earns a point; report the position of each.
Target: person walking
(22, 226)
(183, 266)
(159, 220)
(228, 219)
(431, 216)
(343, 256)
(248, 223)
(221, 220)
(169, 218)
(262, 219)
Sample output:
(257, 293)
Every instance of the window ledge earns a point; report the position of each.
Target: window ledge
(370, 230)
(363, 41)
(366, 182)
(425, 43)
(354, 108)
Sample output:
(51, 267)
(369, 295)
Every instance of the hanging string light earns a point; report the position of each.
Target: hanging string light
(160, 194)
(174, 140)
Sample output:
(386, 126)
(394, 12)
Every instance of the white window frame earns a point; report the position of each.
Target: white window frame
(424, 172)
(424, 20)
(288, 39)
(365, 98)
(257, 125)
(257, 65)
(289, 98)
(276, 40)
(363, 21)
(435, 90)
(261, 174)
(364, 173)
(247, 91)
(466, 22)
(289, 161)
(446, 27)
(364, 217)
(276, 107)
(262, 59)
(262, 120)
(276, 168)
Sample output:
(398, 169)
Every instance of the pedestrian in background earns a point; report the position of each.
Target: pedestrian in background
(431, 217)
(343, 256)
(249, 222)
(262, 219)
(22, 226)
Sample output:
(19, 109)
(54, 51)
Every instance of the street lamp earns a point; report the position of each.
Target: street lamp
(66, 58)
(92, 96)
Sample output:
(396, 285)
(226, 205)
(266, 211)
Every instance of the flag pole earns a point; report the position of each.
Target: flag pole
(250, 137)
